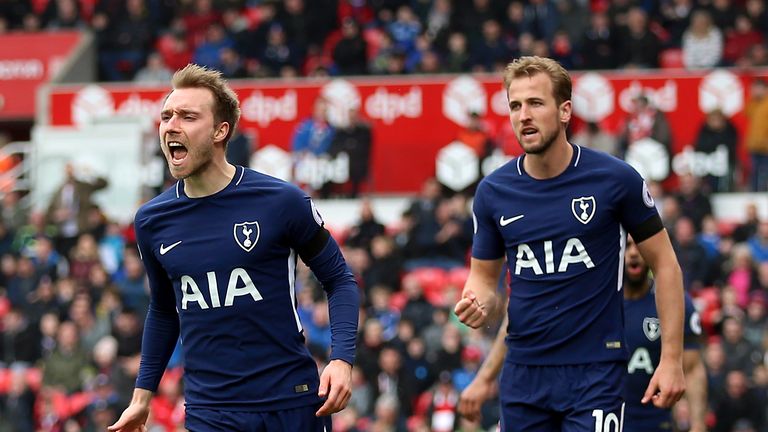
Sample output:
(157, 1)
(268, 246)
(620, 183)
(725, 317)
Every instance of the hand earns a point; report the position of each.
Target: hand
(335, 387)
(133, 419)
(470, 311)
(667, 385)
(472, 398)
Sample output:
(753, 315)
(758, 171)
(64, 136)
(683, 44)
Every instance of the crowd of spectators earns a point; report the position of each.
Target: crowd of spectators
(71, 317)
(145, 39)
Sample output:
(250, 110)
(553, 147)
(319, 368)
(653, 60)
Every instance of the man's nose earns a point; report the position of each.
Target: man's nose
(525, 113)
(171, 125)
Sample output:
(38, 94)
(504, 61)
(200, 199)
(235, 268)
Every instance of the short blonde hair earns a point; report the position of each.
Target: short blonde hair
(529, 66)
(226, 105)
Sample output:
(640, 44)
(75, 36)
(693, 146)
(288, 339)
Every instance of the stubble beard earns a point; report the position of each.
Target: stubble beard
(545, 145)
(636, 283)
(196, 163)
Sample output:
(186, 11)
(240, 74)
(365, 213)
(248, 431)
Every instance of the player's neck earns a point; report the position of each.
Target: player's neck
(212, 179)
(636, 290)
(553, 162)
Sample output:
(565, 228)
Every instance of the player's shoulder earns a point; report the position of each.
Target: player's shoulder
(158, 204)
(599, 160)
(264, 184)
(509, 173)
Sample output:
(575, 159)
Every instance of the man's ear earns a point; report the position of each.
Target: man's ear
(566, 109)
(221, 132)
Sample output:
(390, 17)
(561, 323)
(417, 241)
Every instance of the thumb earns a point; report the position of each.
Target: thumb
(117, 425)
(649, 392)
(324, 381)
(469, 294)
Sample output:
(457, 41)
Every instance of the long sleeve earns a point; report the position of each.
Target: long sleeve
(343, 299)
(161, 328)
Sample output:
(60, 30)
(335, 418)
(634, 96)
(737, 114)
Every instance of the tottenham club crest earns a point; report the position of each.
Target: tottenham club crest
(247, 234)
(583, 208)
(651, 328)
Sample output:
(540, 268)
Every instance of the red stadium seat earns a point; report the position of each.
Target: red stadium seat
(671, 58)
(38, 6)
(34, 378)
(433, 281)
(423, 401)
(5, 380)
(165, 45)
(339, 234)
(458, 277)
(725, 227)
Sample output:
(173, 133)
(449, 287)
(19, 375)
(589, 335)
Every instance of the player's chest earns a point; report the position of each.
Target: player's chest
(531, 216)
(219, 238)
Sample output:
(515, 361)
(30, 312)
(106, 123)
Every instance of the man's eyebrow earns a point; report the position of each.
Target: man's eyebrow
(181, 111)
(530, 99)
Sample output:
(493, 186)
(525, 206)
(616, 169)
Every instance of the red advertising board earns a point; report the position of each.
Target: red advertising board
(413, 117)
(26, 61)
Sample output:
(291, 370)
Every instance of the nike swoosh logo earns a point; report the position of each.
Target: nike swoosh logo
(164, 250)
(504, 222)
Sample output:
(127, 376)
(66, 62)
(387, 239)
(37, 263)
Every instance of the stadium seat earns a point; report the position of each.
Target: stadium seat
(165, 45)
(725, 227)
(34, 378)
(253, 17)
(671, 58)
(458, 276)
(5, 380)
(339, 234)
(38, 6)
(423, 402)
(433, 281)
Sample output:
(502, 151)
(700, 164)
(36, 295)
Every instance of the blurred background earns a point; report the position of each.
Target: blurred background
(388, 112)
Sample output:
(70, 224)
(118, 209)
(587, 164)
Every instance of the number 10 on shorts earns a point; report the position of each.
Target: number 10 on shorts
(610, 422)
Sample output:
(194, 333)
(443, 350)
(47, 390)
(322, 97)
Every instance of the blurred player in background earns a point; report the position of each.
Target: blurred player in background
(642, 330)
(220, 248)
(559, 212)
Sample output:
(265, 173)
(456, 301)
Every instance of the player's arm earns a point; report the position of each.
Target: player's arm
(667, 384)
(478, 390)
(478, 299)
(696, 388)
(324, 258)
(161, 330)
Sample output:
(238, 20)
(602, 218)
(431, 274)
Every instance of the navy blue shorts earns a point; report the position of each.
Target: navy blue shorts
(573, 398)
(289, 420)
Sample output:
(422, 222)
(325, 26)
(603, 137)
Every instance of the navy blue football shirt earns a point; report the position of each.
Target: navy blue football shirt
(221, 270)
(564, 239)
(643, 338)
